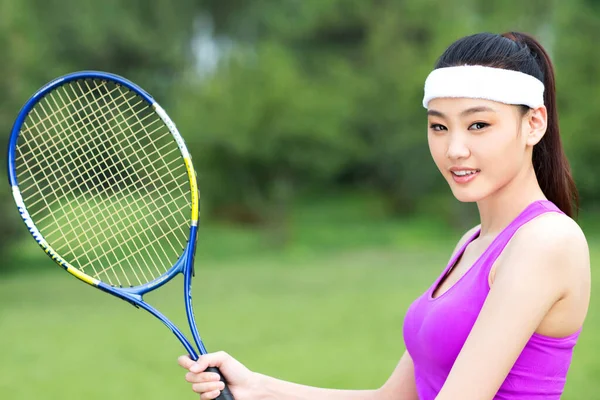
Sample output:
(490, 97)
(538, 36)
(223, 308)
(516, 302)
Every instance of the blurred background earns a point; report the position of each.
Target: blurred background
(323, 215)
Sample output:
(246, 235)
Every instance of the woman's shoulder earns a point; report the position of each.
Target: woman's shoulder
(553, 231)
(551, 240)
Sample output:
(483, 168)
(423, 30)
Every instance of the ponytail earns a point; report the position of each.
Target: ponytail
(549, 160)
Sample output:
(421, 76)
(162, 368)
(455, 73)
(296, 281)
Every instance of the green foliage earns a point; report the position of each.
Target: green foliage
(262, 128)
(578, 85)
(297, 97)
(147, 42)
(358, 68)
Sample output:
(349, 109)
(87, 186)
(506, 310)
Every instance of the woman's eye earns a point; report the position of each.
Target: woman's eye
(478, 125)
(437, 127)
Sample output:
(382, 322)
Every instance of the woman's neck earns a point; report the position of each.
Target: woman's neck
(500, 208)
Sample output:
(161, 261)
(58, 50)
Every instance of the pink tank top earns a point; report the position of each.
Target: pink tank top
(435, 329)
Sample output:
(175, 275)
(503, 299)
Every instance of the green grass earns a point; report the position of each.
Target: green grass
(325, 311)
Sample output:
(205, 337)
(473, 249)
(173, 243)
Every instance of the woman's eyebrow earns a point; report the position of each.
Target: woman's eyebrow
(474, 110)
(468, 111)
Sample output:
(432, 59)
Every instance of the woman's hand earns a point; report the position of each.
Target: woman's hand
(242, 382)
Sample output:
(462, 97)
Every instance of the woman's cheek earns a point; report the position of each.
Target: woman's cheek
(502, 166)
(437, 153)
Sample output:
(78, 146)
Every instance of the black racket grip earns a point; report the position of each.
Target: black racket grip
(225, 393)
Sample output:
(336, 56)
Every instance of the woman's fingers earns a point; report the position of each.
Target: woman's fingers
(192, 377)
(210, 395)
(207, 387)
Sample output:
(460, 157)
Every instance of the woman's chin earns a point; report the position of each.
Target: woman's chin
(466, 195)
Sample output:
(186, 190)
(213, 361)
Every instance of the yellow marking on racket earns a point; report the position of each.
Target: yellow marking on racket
(193, 187)
(86, 278)
(60, 261)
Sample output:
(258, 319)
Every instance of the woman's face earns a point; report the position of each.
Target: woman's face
(477, 144)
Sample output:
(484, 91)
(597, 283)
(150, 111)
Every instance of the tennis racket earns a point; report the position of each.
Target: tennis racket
(105, 184)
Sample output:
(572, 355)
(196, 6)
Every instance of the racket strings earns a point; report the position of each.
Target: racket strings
(68, 125)
(134, 224)
(74, 212)
(126, 242)
(67, 106)
(80, 156)
(105, 183)
(170, 171)
(130, 195)
(60, 227)
(166, 167)
(154, 204)
(106, 234)
(151, 173)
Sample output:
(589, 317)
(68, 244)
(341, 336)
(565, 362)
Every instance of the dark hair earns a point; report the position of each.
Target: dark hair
(521, 52)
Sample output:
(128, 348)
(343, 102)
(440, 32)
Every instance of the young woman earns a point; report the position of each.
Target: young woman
(502, 319)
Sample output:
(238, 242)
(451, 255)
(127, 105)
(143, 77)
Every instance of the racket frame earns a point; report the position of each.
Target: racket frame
(185, 263)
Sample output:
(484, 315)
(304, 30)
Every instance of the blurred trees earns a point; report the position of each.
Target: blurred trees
(277, 99)
(328, 93)
(147, 42)
(578, 84)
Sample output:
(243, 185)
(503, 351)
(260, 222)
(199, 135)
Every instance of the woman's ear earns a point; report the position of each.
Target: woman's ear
(536, 123)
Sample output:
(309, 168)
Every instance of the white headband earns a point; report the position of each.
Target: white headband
(479, 82)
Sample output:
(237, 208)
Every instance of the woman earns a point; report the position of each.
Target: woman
(502, 319)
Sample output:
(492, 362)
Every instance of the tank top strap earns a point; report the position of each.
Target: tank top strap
(533, 210)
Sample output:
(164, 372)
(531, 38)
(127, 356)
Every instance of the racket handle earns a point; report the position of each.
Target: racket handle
(225, 393)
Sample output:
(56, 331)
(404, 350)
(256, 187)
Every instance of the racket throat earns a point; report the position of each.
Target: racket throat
(132, 298)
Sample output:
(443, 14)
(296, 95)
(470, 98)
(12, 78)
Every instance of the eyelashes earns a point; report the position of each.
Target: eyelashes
(481, 125)
(476, 126)
(437, 127)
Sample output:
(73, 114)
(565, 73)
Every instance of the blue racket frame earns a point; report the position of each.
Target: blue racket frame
(185, 263)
